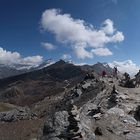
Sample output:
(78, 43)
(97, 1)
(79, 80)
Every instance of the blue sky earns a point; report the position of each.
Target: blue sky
(24, 30)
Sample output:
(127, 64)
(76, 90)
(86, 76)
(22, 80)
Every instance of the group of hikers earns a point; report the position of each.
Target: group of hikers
(115, 73)
(135, 82)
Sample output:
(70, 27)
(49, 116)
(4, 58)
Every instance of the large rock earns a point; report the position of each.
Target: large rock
(116, 111)
(86, 123)
(56, 126)
(16, 114)
(86, 85)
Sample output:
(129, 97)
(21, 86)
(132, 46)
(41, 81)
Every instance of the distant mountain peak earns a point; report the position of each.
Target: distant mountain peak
(61, 62)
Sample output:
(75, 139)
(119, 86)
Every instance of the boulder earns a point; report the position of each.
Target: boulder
(116, 111)
(86, 85)
(55, 126)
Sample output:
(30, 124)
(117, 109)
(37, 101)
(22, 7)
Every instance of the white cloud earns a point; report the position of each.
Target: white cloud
(66, 56)
(80, 64)
(32, 60)
(108, 26)
(48, 46)
(81, 52)
(12, 58)
(118, 37)
(74, 31)
(102, 52)
(126, 66)
(7, 57)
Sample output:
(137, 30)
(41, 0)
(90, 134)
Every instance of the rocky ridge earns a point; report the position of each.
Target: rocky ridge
(94, 110)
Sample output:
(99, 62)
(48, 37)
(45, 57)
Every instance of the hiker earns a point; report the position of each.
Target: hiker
(137, 78)
(103, 73)
(115, 72)
(126, 76)
(87, 76)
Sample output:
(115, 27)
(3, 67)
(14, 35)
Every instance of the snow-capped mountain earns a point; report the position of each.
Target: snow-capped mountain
(7, 71)
(45, 64)
(16, 69)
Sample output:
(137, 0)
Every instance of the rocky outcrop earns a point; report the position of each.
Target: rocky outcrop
(17, 114)
(75, 121)
(94, 109)
(73, 124)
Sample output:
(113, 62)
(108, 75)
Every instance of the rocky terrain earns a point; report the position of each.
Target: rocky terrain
(62, 102)
(96, 109)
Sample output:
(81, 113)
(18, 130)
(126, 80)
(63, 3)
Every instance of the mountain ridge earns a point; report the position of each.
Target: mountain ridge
(8, 71)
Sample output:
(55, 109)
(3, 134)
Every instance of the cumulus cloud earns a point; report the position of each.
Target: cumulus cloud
(126, 66)
(81, 52)
(118, 37)
(76, 31)
(102, 51)
(108, 26)
(32, 60)
(12, 58)
(47, 45)
(7, 57)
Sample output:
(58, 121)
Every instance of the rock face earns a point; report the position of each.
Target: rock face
(56, 126)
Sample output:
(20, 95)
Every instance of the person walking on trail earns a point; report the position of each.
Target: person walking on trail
(115, 72)
(103, 73)
(137, 78)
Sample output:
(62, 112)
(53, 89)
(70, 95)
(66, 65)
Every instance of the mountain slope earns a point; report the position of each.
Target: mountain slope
(7, 71)
(38, 84)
